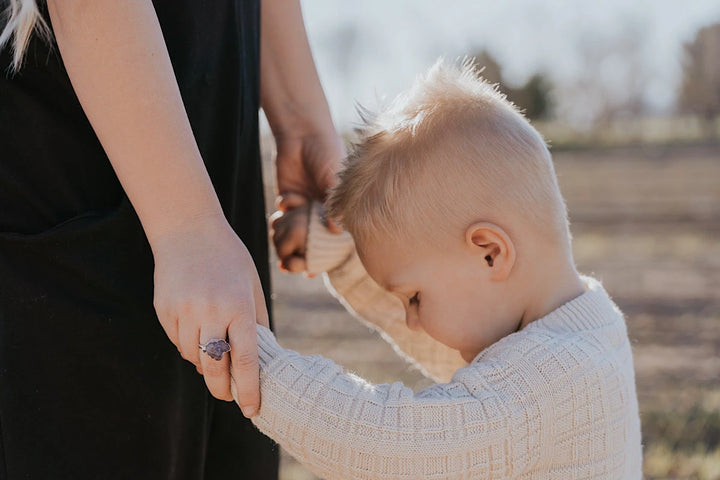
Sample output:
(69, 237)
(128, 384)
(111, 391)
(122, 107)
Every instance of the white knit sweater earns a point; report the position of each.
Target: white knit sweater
(555, 400)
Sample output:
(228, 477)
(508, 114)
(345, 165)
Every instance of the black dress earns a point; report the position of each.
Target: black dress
(90, 385)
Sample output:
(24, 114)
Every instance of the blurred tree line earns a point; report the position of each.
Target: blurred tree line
(700, 90)
(699, 93)
(533, 98)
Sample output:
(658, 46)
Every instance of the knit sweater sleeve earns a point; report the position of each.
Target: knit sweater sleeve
(348, 281)
(342, 427)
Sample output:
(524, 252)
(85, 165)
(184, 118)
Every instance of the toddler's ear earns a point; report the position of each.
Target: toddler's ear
(494, 245)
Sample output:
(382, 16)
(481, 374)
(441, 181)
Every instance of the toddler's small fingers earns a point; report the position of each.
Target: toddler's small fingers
(274, 218)
(333, 226)
(279, 233)
(296, 264)
(288, 201)
(292, 244)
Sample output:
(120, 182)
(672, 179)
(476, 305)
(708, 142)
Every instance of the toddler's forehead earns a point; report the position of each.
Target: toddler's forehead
(384, 252)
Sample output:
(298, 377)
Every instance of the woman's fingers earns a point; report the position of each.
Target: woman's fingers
(244, 365)
(205, 281)
(261, 313)
(189, 338)
(216, 372)
(168, 319)
(241, 359)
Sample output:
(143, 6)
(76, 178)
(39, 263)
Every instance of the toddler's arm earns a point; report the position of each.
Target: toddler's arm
(342, 427)
(348, 281)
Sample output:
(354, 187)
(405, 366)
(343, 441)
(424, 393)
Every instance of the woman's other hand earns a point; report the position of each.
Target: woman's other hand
(207, 287)
(308, 164)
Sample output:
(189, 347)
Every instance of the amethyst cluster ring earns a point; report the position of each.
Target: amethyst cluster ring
(215, 348)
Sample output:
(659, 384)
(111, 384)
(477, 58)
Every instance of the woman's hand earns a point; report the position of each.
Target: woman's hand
(308, 164)
(207, 287)
(309, 150)
(307, 168)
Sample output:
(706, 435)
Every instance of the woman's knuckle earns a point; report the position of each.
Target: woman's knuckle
(209, 307)
(214, 369)
(184, 307)
(244, 359)
(196, 304)
(160, 304)
(241, 307)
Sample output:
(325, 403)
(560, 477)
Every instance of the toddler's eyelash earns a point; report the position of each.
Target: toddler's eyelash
(415, 300)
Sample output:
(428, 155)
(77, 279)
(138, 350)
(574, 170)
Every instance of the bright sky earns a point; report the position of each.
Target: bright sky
(372, 49)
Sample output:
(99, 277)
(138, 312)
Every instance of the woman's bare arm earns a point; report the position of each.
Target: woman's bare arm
(116, 58)
(206, 285)
(308, 148)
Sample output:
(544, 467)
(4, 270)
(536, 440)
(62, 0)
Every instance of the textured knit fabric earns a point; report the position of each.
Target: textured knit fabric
(328, 249)
(555, 400)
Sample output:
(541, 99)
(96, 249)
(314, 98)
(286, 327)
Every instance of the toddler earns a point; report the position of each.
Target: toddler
(458, 250)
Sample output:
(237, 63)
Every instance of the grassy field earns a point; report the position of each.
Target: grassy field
(646, 221)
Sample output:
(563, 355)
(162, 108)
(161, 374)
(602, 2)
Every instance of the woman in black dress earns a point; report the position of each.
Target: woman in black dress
(132, 227)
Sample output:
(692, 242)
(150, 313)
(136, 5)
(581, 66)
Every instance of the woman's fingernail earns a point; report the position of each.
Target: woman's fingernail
(233, 389)
(248, 411)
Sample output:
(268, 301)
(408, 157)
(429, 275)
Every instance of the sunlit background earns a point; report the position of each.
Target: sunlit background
(628, 95)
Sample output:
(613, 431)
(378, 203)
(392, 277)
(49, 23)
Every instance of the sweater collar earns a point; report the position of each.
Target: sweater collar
(590, 310)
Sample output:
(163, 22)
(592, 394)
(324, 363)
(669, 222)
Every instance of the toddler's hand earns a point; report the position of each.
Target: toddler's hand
(289, 229)
(305, 240)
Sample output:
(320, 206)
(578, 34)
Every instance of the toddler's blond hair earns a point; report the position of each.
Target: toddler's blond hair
(450, 151)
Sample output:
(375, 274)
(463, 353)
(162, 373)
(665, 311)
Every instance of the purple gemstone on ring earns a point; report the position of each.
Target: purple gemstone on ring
(216, 349)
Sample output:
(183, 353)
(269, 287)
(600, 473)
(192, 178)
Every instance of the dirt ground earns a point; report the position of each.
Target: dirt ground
(646, 221)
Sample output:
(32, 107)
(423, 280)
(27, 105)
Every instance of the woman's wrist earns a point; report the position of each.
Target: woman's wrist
(304, 129)
(206, 224)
